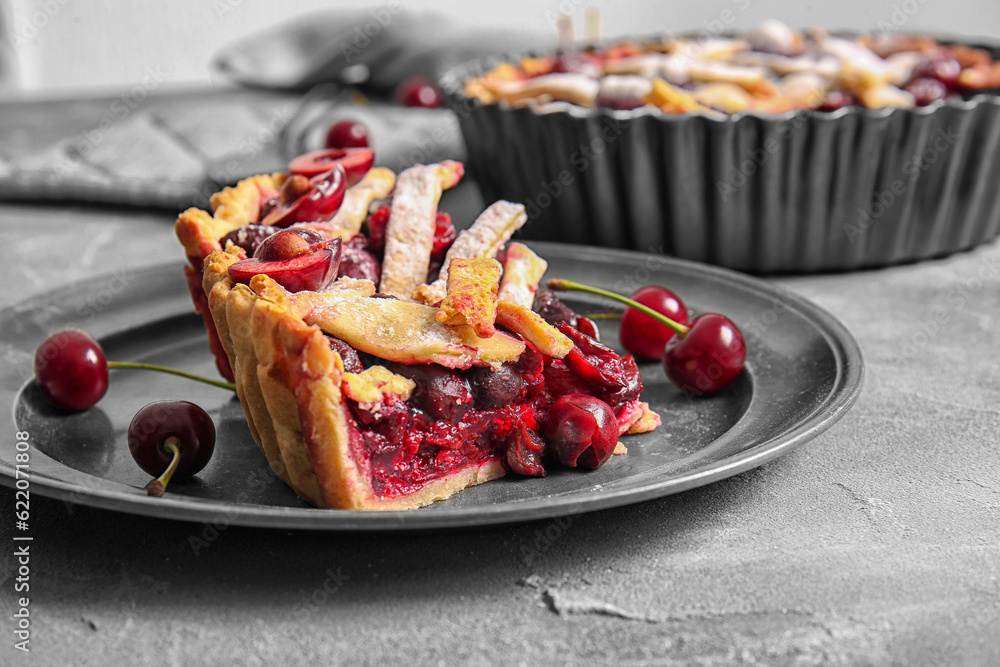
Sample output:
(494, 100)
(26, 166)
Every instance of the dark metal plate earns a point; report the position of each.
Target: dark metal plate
(804, 370)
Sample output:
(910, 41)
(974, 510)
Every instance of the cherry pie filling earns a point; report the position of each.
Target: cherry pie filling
(458, 419)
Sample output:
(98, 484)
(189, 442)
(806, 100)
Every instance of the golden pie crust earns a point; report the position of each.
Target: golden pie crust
(522, 269)
(472, 295)
(199, 232)
(484, 238)
(409, 236)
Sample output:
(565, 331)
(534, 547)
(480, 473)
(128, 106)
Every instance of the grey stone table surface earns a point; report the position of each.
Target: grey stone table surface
(876, 543)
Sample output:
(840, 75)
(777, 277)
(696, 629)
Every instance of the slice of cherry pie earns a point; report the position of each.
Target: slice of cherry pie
(389, 375)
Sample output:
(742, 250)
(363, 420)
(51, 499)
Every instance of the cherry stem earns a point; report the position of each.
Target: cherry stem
(568, 285)
(157, 486)
(172, 371)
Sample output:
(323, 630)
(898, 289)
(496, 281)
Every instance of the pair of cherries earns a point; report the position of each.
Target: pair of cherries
(167, 439)
(701, 356)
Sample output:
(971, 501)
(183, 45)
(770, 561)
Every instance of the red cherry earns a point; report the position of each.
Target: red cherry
(418, 92)
(641, 334)
(308, 271)
(926, 90)
(942, 67)
(441, 392)
(71, 370)
(318, 204)
(171, 438)
(357, 262)
(248, 237)
(581, 431)
(708, 358)
(347, 134)
(355, 161)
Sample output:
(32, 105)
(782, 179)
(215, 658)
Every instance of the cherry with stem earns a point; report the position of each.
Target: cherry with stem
(72, 372)
(703, 358)
(171, 439)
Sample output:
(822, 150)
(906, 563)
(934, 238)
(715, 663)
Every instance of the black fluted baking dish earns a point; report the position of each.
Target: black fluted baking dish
(803, 191)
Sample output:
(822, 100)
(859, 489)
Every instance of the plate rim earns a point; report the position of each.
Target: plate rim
(844, 392)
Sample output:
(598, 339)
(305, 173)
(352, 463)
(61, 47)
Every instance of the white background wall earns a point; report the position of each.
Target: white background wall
(62, 45)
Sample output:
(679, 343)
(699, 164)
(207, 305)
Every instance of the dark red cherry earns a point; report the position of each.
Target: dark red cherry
(347, 134)
(352, 362)
(616, 378)
(318, 204)
(268, 205)
(248, 237)
(554, 311)
(926, 90)
(560, 379)
(708, 358)
(589, 327)
(941, 67)
(441, 392)
(71, 370)
(355, 161)
(641, 334)
(357, 262)
(581, 430)
(494, 388)
(418, 92)
(289, 243)
(160, 428)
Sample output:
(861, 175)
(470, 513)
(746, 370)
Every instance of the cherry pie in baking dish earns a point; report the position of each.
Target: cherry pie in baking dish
(770, 69)
(384, 362)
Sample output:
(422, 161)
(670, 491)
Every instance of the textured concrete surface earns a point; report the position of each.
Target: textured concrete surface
(877, 543)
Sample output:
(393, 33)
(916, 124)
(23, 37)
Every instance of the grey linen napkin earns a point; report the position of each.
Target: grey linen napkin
(175, 150)
(169, 153)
